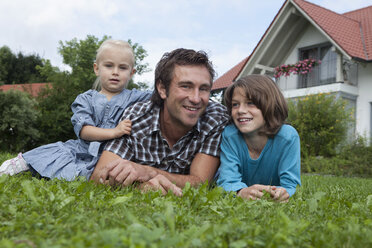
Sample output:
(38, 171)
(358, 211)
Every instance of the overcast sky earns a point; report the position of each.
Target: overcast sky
(227, 30)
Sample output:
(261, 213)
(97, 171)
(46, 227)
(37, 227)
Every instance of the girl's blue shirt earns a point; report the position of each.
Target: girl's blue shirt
(279, 163)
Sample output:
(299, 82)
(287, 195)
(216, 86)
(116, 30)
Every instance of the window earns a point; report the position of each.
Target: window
(325, 73)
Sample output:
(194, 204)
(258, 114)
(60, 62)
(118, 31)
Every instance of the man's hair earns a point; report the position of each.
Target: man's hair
(266, 95)
(165, 68)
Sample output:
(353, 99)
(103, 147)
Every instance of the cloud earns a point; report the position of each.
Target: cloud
(227, 30)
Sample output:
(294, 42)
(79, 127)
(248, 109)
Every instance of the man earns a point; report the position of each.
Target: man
(176, 134)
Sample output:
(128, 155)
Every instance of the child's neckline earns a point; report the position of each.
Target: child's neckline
(255, 151)
(109, 97)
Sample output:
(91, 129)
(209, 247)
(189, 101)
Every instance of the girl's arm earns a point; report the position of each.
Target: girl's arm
(230, 176)
(91, 133)
(290, 163)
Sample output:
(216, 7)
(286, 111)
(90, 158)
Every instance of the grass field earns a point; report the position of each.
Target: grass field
(325, 212)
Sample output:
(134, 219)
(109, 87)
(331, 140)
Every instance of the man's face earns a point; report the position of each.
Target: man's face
(187, 97)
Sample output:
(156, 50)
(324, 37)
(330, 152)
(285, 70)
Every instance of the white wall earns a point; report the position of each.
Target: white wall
(363, 111)
(311, 36)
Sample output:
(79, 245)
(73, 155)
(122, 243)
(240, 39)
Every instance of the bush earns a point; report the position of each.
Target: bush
(18, 128)
(354, 159)
(321, 121)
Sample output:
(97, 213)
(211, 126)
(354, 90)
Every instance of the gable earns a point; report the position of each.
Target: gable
(349, 33)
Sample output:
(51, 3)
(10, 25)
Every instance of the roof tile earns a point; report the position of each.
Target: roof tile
(33, 88)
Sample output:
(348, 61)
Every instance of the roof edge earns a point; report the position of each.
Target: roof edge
(304, 13)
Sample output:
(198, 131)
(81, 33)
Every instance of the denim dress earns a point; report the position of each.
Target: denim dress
(75, 158)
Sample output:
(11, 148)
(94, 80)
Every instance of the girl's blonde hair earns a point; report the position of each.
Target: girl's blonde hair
(109, 44)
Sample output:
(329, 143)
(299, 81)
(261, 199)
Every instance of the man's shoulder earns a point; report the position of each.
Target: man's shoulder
(138, 110)
(215, 114)
(214, 118)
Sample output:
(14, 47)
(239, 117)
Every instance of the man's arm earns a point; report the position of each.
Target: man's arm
(123, 172)
(100, 171)
(203, 168)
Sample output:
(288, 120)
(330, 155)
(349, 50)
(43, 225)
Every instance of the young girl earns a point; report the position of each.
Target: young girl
(258, 151)
(95, 119)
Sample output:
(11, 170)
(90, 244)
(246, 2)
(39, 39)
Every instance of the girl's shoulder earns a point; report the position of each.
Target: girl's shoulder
(84, 97)
(230, 130)
(87, 95)
(287, 132)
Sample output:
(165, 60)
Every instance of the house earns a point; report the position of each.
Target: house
(343, 43)
(32, 88)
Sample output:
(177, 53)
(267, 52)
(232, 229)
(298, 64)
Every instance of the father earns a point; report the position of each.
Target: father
(176, 134)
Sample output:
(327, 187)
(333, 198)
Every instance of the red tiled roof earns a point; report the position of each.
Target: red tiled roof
(343, 29)
(352, 31)
(227, 78)
(364, 16)
(33, 88)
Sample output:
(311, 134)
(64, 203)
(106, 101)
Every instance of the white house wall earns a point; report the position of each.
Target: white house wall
(363, 91)
(364, 100)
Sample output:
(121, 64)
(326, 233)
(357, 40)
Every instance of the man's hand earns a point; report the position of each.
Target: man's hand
(162, 183)
(122, 172)
(255, 192)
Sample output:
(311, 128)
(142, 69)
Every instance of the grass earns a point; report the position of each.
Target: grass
(325, 212)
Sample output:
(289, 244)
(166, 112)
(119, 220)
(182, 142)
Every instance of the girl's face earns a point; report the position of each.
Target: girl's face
(114, 69)
(246, 116)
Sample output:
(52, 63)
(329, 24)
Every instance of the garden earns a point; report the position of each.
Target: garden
(332, 207)
(326, 211)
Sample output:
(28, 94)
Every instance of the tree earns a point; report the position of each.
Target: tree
(18, 126)
(19, 68)
(7, 60)
(54, 103)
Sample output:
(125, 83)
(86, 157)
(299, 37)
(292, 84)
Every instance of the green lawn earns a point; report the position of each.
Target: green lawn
(325, 212)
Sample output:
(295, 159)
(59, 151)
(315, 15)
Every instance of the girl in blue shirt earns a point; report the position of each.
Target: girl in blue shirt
(258, 151)
(95, 119)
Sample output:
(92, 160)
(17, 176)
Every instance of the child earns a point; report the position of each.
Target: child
(95, 119)
(258, 151)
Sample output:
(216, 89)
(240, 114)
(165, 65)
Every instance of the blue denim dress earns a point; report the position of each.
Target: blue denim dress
(73, 158)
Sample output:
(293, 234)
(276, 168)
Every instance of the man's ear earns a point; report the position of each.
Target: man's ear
(95, 68)
(161, 89)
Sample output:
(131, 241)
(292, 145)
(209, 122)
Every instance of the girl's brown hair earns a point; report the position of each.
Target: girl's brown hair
(266, 95)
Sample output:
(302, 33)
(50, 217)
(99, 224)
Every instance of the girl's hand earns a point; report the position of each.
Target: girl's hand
(124, 127)
(280, 195)
(255, 192)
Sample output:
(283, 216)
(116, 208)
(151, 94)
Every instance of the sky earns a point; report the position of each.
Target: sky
(227, 30)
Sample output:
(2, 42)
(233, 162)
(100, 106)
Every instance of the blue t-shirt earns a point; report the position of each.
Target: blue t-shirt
(279, 163)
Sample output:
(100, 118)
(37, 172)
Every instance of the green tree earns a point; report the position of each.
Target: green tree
(7, 60)
(54, 103)
(19, 68)
(18, 125)
(321, 121)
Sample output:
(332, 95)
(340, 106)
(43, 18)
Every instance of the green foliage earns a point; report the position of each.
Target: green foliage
(18, 129)
(55, 103)
(321, 121)
(325, 212)
(353, 159)
(19, 68)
